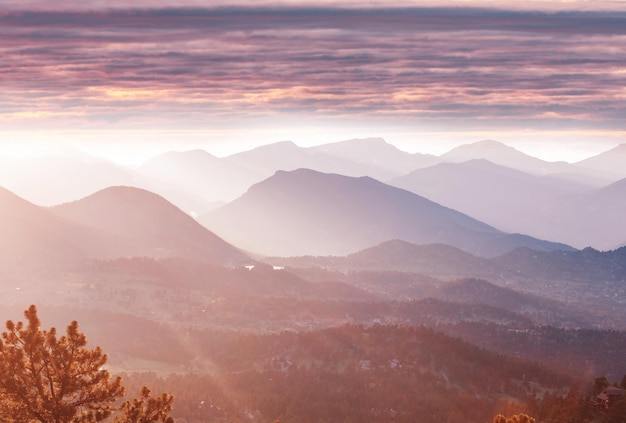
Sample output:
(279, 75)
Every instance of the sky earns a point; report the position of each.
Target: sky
(546, 77)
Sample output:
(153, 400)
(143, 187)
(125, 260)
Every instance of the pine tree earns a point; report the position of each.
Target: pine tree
(47, 379)
(518, 418)
(146, 409)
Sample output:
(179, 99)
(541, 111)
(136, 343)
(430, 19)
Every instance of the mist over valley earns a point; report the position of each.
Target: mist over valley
(353, 264)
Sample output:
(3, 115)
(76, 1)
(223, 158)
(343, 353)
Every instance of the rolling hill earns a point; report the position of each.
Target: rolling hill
(438, 260)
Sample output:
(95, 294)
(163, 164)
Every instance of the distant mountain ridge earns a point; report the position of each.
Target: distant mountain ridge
(307, 212)
(515, 201)
(287, 156)
(51, 180)
(377, 153)
(500, 196)
(499, 153)
(447, 262)
(574, 204)
(201, 174)
(611, 162)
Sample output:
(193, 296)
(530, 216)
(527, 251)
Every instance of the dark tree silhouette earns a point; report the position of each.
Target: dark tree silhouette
(600, 384)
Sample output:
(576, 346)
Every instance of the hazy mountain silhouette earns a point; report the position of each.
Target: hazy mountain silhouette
(308, 212)
(611, 163)
(202, 175)
(32, 236)
(499, 153)
(383, 159)
(513, 201)
(286, 155)
(49, 180)
(148, 225)
(438, 260)
(594, 218)
(503, 197)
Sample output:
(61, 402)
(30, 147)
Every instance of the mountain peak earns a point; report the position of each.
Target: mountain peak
(8, 195)
(123, 193)
(280, 146)
(610, 162)
(356, 142)
(474, 150)
(503, 155)
(147, 225)
(492, 144)
(32, 234)
(376, 153)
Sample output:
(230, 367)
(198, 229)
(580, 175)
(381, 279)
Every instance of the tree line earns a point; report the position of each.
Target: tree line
(351, 373)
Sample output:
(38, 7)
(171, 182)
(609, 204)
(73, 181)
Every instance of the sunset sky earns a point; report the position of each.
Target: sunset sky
(548, 78)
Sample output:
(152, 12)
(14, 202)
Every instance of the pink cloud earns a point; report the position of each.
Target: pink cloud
(194, 67)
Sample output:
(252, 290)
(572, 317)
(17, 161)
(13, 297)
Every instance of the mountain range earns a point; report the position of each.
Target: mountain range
(576, 204)
(503, 155)
(515, 201)
(448, 262)
(587, 284)
(284, 264)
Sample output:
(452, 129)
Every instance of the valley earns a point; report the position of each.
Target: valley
(315, 296)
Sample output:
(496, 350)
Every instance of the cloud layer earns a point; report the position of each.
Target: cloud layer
(198, 67)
